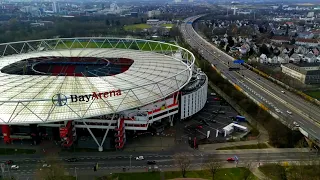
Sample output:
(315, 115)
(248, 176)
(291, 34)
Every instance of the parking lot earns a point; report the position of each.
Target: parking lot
(214, 116)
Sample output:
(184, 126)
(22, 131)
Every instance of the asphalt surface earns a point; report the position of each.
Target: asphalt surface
(213, 120)
(306, 114)
(30, 164)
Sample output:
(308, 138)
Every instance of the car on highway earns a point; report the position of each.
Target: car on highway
(72, 160)
(151, 162)
(46, 165)
(14, 167)
(289, 112)
(9, 162)
(278, 110)
(283, 92)
(139, 158)
(230, 159)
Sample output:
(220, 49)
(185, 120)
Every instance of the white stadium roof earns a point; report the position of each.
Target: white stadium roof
(44, 98)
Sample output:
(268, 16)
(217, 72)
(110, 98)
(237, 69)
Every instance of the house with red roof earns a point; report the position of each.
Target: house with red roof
(308, 42)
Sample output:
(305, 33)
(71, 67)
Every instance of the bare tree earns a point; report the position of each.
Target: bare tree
(212, 165)
(51, 169)
(183, 160)
(247, 174)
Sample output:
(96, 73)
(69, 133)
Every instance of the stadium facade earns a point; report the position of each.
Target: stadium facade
(106, 87)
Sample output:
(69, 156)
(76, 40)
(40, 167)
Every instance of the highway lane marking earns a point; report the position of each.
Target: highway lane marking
(210, 45)
(288, 105)
(313, 131)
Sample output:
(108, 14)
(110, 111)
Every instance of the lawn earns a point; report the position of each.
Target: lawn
(314, 94)
(135, 27)
(12, 151)
(250, 146)
(277, 172)
(167, 25)
(222, 174)
(121, 45)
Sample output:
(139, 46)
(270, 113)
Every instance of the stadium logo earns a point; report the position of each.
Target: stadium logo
(95, 96)
(59, 100)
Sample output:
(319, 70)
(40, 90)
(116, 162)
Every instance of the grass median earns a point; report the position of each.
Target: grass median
(222, 174)
(12, 151)
(249, 146)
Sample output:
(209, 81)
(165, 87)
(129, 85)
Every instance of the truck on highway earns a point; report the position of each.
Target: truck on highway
(240, 118)
(234, 66)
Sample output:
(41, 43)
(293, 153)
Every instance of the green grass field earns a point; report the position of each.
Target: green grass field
(277, 172)
(251, 146)
(142, 45)
(135, 27)
(314, 94)
(167, 25)
(222, 174)
(11, 151)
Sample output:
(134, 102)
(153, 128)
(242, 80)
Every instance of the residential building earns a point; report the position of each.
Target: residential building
(306, 35)
(307, 73)
(307, 42)
(263, 58)
(283, 58)
(153, 13)
(153, 21)
(295, 58)
(280, 39)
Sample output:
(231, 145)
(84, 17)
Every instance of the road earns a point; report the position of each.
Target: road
(262, 90)
(30, 164)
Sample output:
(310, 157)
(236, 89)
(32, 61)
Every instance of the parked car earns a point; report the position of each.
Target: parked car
(46, 165)
(296, 124)
(139, 158)
(230, 159)
(14, 167)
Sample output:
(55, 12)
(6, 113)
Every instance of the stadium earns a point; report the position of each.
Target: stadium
(108, 88)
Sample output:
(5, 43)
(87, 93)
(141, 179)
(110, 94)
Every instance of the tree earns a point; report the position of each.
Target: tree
(227, 48)
(56, 171)
(230, 41)
(183, 160)
(264, 49)
(247, 173)
(212, 165)
(293, 41)
(107, 22)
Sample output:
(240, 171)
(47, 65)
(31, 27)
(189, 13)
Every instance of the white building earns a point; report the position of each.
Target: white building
(307, 73)
(263, 58)
(194, 95)
(153, 13)
(153, 21)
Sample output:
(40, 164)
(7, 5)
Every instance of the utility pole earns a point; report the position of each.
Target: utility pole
(9, 171)
(75, 173)
(201, 160)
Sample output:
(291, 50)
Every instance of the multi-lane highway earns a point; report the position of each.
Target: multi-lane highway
(30, 164)
(283, 104)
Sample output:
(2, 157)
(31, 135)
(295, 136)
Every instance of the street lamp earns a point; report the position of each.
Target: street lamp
(201, 161)
(75, 173)
(130, 161)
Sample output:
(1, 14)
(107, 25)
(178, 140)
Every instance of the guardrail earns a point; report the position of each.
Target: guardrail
(300, 93)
